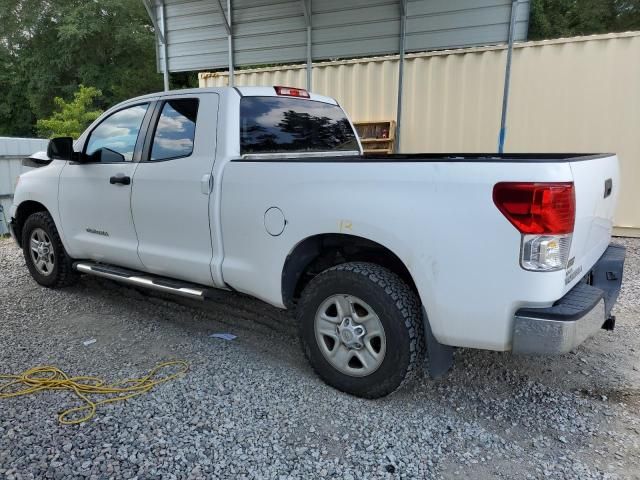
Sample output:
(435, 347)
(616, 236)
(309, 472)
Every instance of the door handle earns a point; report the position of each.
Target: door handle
(121, 179)
(206, 184)
(608, 187)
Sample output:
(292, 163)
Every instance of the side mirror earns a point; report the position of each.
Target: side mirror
(60, 148)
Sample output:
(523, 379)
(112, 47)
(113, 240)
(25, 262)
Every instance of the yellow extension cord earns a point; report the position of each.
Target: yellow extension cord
(42, 378)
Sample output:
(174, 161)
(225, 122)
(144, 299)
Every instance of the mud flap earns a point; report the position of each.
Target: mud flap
(607, 275)
(439, 357)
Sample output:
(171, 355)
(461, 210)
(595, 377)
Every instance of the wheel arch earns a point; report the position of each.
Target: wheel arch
(316, 253)
(24, 211)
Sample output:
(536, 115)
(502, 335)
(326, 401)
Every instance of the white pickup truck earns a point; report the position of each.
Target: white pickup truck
(264, 190)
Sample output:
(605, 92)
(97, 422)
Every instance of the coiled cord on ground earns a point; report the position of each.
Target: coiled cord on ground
(46, 377)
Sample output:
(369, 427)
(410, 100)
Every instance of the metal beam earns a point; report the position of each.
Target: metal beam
(307, 12)
(309, 61)
(227, 24)
(165, 57)
(306, 9)
(230, 43)
(154, 20)
(403, 38)
(507, 78)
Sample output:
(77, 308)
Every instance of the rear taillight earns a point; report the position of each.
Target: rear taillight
(544, 213)
(292, 92)
(537, 207)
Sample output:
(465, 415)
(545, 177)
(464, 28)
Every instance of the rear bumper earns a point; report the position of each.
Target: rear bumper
(576, 316)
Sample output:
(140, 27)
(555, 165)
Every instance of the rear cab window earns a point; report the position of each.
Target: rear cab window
(293, 125)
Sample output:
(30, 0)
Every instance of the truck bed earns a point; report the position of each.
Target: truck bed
(488, 157)
(427, 157)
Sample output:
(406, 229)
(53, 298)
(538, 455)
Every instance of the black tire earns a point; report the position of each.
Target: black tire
(398, 309)
(62, 273)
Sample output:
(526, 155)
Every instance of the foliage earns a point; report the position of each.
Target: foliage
(49, 47)
(72, 117)
(16, 118)
(566, 18)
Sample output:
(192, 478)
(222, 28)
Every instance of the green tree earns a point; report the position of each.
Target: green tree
(49, 47)
(16, 117)
(72, 117)
(567, 18)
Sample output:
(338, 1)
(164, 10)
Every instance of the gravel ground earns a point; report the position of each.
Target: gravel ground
(252, 408)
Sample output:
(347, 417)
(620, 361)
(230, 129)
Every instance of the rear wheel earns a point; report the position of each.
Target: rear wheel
(361, 329)
(44, 254)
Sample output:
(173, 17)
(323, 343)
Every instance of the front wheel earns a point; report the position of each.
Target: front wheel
(361, 329)
(44, 253)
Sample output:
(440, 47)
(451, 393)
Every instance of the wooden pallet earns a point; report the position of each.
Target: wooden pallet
(377, 136)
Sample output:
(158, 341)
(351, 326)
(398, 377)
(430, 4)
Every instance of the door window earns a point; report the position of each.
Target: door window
(175, 131)
(114, 140)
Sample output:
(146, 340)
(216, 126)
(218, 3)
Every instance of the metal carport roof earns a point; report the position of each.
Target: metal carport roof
(213, 34)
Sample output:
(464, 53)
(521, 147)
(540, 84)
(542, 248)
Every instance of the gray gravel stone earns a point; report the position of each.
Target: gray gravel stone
(252, 408)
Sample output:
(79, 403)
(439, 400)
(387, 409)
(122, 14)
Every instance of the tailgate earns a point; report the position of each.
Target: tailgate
(597, 184)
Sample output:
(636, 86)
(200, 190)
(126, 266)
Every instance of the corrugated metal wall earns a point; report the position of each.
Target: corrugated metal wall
(12, 151)
(568, 95)
(268, 31)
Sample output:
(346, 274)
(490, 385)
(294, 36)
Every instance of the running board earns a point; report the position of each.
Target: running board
(145, 280)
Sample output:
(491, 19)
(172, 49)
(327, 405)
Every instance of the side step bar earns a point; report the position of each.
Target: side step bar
(145, 280)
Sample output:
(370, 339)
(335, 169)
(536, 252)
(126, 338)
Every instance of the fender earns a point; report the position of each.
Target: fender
(39, 186)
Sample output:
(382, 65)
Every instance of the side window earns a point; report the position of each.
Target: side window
(176, 129)
(114, 140)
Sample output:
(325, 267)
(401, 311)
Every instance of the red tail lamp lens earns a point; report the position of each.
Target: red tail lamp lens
(537, 208)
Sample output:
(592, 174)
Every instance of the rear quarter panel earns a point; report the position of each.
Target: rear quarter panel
(437, 217)
(594, 212)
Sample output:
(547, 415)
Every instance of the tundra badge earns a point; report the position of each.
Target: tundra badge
(98, 232)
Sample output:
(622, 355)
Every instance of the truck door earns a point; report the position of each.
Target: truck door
(171, 187)
(94, 196)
